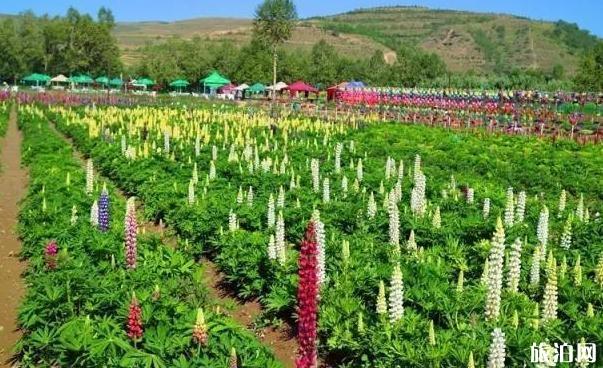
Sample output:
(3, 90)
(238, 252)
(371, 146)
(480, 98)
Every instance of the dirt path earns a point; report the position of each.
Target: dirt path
(13, 182)
(281, 340)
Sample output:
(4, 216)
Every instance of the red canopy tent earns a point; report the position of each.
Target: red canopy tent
(332, 91)
(300, 86)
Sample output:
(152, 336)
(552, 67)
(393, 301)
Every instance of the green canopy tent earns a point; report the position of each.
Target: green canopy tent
(213, 82)
(144, 82)
(256, 88)
(103, 81)
(81, 79)
(116, 82)
(37, 79)
(179, 84)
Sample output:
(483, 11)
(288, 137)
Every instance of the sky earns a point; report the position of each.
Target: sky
(588, 14)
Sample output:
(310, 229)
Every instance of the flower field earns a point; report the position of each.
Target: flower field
(432, 248)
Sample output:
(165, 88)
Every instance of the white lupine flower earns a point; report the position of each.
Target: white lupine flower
(436, 221)
(417, 168)
(509, 208)
(535, 269)
(212, 171)
(582, 359)
(486, 210)
(271, 248)
(280, 200)
(345, 251)
(315, 167)
(356, 186)
(338, 149)
(390, 167)
(352, 147)
(371, 209)
(549, 300)
(396, 295)
(280, 239)
(381, 301)
(271, 211)
(344, 186)
(326, 191)
(320, 241)
(240, 196)
(398, 191)
(411, 244)
(496, 357)
(495, 277)
(417, 195)
(250, 196)
(191, 192)
(394, 221)
(542, 231)
(381, 188)
(197, 146)
(166, 141)
(94, 214)
(359, 171)
(214, 153)
(89, 176)
(586, 215)
(514, 266)
(232, 221)
(73, 219)
(521, 207)
(562, 202)
(485, 272)
(580, 208)
(470, 195)
(195, 174)
(577, 272)
(123, 144)
(452, 183)
(566, 237)
(401, 170)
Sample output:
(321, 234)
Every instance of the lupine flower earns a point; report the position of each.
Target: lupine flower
(233, 360)
(200, 329)
(214, 153)
(280, 199)
(271, 248)
(580, 208)
(590, 311)
(398, 191)
(470, 362)
(566, 237)
(509, 208)
(319, 229)
(396, 295)
(485, 272)
(394, 222)
(535, 269)
(411, 244)
(338, 149)
(381, 188)
(549, 301)
(195, 174)
(436, 221)
(360, 323)
(495, 261)
(326, 191)
(417, 167)
(599, 271)
(359, 171)
(460, 282)
(470, 195)
(381, 301)
(521, 207)
(134, 327)
(563, 268)
(281, 253)
(315, 169)
(562, 202)
(212, 171)
(191, 192)
(515, 319)
(89, 176)
(166, 141)
(542, 231)
(514, 266)
(271, 216)
(307, 299)
(371, 209)
(401, 170)
(389, 168)
(50, 252)
(232, 221)
(250, 196)
(130, 230)
(345, 251)
(486, 210)
(103, 210)
(344, 186)
(496, 357)
(577, 272)
(73, 219)
(535, 323)
(417, 195)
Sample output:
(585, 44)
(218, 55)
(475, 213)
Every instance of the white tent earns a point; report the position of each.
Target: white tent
(277, 87)
(60, 79)
(242, 87)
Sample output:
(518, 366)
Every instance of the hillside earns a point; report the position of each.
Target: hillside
(133, 35)
(468, 41)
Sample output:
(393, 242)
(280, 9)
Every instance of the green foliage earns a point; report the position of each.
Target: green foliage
(574, 37)
(590, 70)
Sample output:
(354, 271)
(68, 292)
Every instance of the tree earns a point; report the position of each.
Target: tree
(274, 22)
(105, 16)
(589, 76)
(324, 63)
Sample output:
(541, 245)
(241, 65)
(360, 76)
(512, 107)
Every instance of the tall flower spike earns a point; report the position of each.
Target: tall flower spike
(599, 271)
(232, 221)
(281, 250)
(200, 329)
(411, 244)
(130, 232)
(315, 169)
(50, 252)
(344, 186)
(486, 210)
(320, 242)
(521, 207)
(509, 208)
(74, 216)
(460, 282)
(542, 231)
(514, 266)
(271, 247)
(549, 301)
(394, 222)
(89, 176)
(359, 171)
(239, 199)
(417, 196)
(495, 261)
(577, 272)
(470, 195)
(580, 208)
(307, 300)
(396, 295)
(535, 269)
(371, 209)
(432, 338)
(496, 357)
(436, 221)
(191, 192)
(250, 196)
(271, 212)
(326, 191)
(381, 301)
(280, 199)
(562, 203)
(103, 210)
(134, 327)
(566, 237)
(338, 149)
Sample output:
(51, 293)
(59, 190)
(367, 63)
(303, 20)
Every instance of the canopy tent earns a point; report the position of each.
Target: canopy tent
(37, 79)
(179, 84)
(60, 79)
(81, 79)
(213, 81)
(277, 87)
(257, 88)
(143, 82)
(332, 91)
(229, 88)
(355, 84)
(300, 86)
(116, 82)
(102, 80)
(242, 87)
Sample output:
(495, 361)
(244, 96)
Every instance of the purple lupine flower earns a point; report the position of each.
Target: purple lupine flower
(103, 210)
(50, 251)
(130, 230)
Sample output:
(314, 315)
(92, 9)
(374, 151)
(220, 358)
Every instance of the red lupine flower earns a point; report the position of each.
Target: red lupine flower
(307, 299)
(50, 251)
(134, 325)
